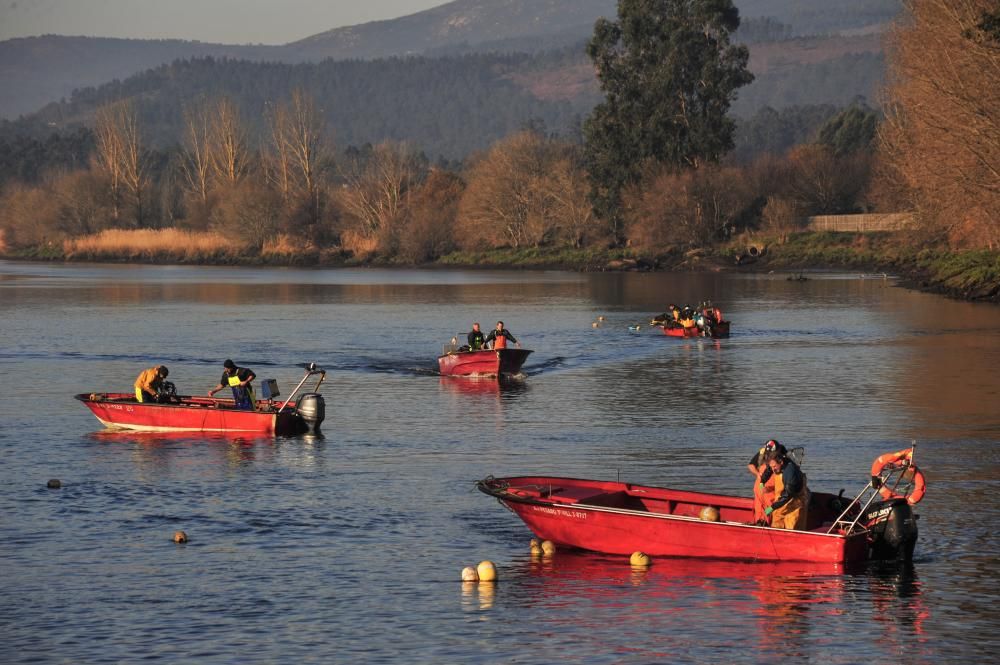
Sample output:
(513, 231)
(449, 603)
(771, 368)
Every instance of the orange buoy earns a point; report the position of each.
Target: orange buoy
(180, 537)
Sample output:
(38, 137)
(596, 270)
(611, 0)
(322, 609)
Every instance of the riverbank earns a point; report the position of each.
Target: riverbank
(971, 275)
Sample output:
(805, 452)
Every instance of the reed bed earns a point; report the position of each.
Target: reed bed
(157, 244)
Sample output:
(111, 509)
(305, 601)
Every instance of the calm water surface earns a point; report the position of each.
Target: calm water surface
(348, 548)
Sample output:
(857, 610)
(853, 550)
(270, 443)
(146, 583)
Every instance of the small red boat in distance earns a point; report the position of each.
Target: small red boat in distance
(622, 518)
(177, 413)
(717, 331)
(484, 363)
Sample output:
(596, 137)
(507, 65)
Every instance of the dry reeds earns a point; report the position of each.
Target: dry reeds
(163, 244)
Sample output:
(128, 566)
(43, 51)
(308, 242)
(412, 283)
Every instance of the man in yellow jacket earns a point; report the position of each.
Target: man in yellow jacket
(148, 383)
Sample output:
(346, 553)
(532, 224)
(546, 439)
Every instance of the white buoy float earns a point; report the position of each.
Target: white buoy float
(548, 548)
(469, 574)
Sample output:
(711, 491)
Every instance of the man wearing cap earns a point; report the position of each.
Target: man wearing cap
(763, 490)
(147, 384)
(237, 378)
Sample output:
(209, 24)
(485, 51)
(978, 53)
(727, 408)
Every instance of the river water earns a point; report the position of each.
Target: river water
(348, 548)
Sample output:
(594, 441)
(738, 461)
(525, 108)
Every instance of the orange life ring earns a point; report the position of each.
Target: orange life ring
(919, 482)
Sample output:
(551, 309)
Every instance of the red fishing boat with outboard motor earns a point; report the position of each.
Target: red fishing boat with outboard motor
(704, 321)
(177, 413)
(621, 518)
(716, 331)
(485, 363)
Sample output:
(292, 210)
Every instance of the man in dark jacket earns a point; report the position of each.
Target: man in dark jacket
(237, 378)
(789, 510)
(476, 339)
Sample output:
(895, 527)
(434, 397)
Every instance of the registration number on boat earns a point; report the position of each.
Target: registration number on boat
(561, 512)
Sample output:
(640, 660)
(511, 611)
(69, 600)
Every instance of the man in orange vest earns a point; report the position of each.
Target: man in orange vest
(499, 336)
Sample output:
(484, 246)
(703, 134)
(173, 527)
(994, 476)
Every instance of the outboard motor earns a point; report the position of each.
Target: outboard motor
(311, 407)
(892, 529)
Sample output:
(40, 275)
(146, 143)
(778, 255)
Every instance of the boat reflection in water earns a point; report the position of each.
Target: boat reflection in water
(470, 385)
(778, 608)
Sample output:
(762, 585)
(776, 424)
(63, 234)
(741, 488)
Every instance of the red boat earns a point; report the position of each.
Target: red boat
(718, 330)
(488, 362)
(622, 518)
(175, 413)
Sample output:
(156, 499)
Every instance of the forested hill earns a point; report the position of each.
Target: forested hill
(445, 106)
(38, 70)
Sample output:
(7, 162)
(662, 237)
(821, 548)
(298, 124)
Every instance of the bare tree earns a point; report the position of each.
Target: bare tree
(379, 186)
(506, 201)
(121, 155)
(230, 145)
(196, 159)
(941, 136)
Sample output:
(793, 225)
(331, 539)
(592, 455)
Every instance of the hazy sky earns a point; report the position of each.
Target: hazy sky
(224, 21)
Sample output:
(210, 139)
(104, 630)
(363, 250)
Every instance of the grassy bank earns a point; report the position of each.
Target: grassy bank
(966, 275)
(969, 275)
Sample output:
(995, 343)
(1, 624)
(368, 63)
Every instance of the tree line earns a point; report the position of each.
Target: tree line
(655, 170)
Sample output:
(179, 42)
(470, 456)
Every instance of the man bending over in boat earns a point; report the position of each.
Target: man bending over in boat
(147, 384)
(237, 378)
(499, 336)
(476, 339)
(763, 492)
(789, 510)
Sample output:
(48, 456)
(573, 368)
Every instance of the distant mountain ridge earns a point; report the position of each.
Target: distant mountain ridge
(38, 70)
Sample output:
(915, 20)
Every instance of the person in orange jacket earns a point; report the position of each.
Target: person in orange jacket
(147, 384)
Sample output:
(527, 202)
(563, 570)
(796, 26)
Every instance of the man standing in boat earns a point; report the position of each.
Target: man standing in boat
(789, 510)
(476, 339)
(147, 384)
(499, 336)
(763, 491)
(237, 378)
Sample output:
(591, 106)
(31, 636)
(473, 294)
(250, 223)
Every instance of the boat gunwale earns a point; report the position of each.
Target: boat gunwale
(502, 496)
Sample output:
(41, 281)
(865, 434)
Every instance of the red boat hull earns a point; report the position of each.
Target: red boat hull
(621, 518)
(717, 331)
(190, 414)
(490, 362)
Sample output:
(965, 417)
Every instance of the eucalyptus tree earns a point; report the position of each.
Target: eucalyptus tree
(669, 72)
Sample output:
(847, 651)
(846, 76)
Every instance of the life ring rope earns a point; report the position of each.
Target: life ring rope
(901, 461)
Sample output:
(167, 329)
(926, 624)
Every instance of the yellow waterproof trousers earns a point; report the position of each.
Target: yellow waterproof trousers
(792, 515)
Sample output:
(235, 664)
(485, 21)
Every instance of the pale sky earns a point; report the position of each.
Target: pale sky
(222, 21)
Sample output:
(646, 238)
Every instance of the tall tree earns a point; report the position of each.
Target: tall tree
(669, 73)
(230, 145)
(941, 135)
(123, 157)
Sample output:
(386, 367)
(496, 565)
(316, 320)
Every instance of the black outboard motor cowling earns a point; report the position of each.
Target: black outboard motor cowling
(311, 407)
(892, 529)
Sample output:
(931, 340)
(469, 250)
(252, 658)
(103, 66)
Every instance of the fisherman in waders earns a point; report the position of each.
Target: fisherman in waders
(147, 384)
(237, 378)
(789, 510)
(499, 336)
(763, 492)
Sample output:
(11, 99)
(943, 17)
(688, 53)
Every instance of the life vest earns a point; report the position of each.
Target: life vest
(500, 342)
